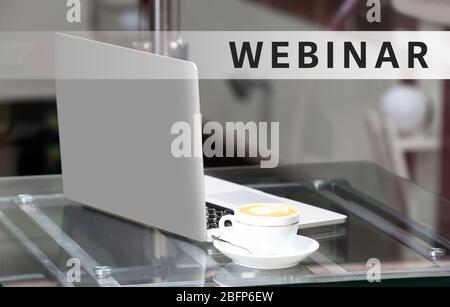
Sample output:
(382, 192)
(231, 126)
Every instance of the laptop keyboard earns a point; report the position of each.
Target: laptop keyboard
(214, 213)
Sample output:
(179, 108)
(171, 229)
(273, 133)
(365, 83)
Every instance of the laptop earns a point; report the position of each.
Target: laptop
(116, 107)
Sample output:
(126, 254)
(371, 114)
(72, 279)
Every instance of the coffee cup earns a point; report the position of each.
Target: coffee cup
(262, 228)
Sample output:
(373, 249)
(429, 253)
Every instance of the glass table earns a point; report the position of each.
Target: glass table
(48, 240)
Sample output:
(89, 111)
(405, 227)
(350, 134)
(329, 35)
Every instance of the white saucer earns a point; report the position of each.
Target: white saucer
(300, 249)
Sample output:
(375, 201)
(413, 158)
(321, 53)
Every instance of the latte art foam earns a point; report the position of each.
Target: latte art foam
(265, 210)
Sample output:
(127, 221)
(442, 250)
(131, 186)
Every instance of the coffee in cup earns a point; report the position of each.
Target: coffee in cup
(268, 210)
(263, 228)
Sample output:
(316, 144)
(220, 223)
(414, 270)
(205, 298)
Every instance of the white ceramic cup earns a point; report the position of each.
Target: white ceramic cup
(261, 234)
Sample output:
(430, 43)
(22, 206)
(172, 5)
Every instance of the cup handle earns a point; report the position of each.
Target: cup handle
(227, 218)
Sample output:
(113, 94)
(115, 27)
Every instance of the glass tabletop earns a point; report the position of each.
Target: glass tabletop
(46, 239)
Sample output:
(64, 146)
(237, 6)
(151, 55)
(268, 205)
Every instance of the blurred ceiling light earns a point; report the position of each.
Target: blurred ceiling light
(406, 106)
(435, 11)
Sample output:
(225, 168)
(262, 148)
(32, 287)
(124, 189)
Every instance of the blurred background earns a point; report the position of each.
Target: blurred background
(402, 125)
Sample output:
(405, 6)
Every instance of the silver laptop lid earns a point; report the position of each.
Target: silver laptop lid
(115, 117)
